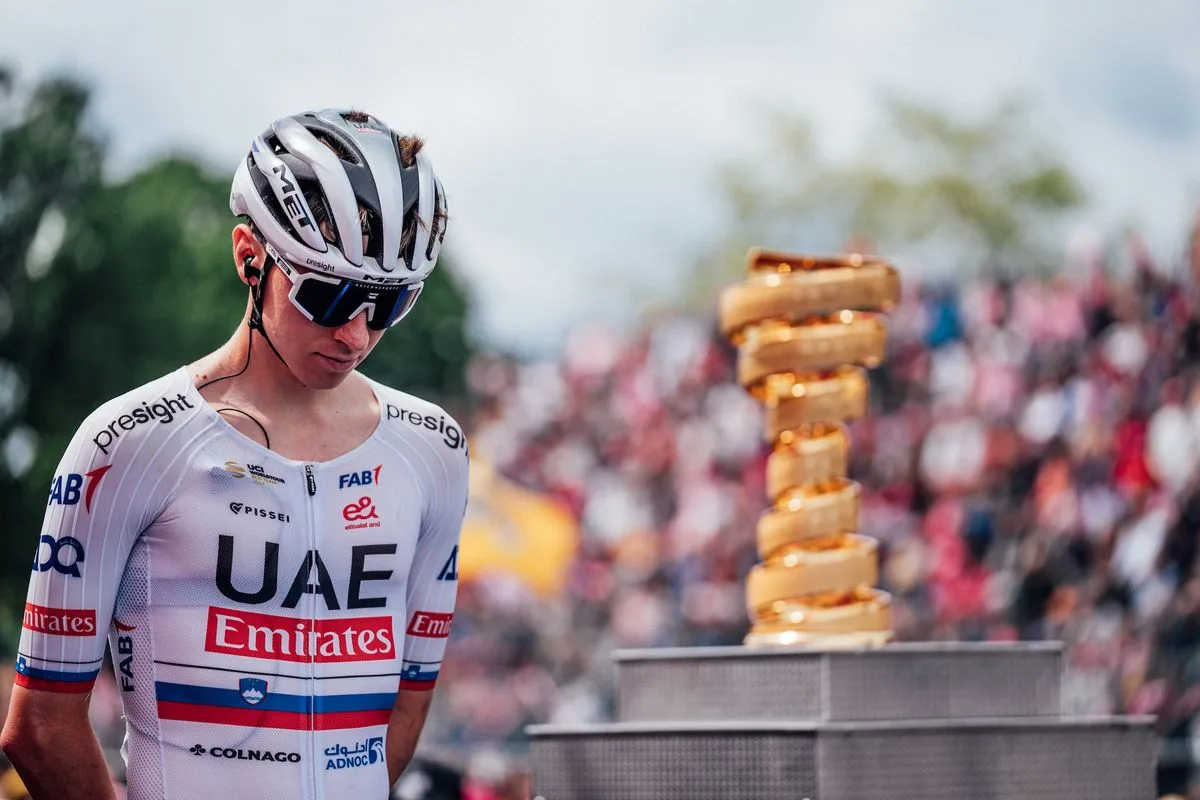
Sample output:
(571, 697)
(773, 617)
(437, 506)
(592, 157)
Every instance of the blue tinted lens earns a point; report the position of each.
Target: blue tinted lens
(335, 304)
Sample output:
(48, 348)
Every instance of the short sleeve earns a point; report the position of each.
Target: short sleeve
(97, 504)
(433, 578)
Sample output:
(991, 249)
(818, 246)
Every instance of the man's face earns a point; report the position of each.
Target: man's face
(318, 356)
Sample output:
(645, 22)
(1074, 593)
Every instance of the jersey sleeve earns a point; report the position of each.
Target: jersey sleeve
(433, 578)
(95, 510)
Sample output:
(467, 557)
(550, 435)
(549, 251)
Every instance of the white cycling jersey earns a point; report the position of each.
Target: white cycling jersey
(261, 612)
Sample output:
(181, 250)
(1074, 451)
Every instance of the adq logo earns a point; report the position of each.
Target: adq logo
(62, 555)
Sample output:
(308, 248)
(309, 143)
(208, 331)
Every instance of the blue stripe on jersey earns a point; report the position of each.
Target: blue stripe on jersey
(273, 701)
(55, 675)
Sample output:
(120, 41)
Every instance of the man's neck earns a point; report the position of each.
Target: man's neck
(276, 409)
(267, 383)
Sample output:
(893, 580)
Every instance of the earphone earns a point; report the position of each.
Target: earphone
(249, 269)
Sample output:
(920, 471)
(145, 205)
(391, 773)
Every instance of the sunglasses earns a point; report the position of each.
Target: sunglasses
(331, 302)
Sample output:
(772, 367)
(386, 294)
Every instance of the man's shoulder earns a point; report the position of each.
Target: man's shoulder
(154, 407)
(408, 415)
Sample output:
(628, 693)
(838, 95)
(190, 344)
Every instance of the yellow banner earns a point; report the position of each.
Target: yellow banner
(511, 530)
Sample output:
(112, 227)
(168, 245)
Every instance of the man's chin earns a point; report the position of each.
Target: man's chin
(326, 373)
(324, 380)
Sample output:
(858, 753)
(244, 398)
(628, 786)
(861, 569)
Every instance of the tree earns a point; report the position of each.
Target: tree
(963, 196)
(111, 284)
(49, 166)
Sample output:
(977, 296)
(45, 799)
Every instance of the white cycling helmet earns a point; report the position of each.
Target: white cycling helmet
(336, 162)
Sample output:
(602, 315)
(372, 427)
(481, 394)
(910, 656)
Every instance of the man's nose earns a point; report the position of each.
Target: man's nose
(354, 334)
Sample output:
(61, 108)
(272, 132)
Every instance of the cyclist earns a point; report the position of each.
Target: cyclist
(266, 538)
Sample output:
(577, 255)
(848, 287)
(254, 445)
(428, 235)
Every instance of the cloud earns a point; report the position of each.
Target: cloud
(578, 141)
(1135, 84)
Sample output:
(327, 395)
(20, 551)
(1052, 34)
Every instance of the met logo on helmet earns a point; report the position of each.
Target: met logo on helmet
(293, 204)
(65, 489)
(380, 279)
(367, 477)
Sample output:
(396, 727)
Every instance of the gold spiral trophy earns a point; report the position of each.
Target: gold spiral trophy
(857, 717)
(806, 329)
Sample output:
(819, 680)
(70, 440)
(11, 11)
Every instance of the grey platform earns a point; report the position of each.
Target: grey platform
(919, 721)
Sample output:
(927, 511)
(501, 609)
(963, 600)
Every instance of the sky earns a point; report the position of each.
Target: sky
(579, 141)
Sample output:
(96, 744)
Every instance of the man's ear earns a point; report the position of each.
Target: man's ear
(248, 254)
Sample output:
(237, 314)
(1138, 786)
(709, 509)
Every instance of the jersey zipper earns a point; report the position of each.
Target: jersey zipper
(310, 482)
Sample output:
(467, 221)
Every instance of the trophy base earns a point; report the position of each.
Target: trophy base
(899, 681)
(1100, 759)
(907, 721)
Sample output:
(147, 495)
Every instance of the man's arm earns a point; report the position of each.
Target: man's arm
(49, 740)
(99, 503)
(404, 729)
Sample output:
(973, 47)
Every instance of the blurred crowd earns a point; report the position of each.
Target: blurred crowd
(1031, 465)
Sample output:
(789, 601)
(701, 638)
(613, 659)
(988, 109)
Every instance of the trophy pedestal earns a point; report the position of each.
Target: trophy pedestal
(900, 722)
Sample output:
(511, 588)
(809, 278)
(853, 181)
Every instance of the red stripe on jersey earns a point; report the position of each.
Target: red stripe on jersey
(62, 687)
(417, 686)
(286, 720)
(338, 720)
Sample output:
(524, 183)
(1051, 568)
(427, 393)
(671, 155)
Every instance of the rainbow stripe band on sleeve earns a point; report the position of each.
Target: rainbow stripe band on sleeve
(418, 677)
(46, 680)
